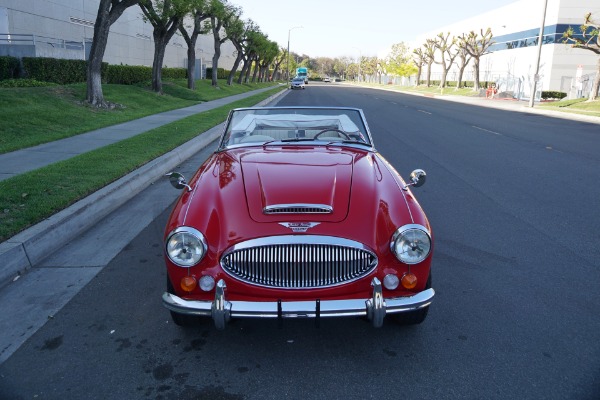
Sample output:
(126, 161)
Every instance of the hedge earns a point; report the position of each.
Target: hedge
(63, 71)
(221, 73)
(9, 67)
(553, 95)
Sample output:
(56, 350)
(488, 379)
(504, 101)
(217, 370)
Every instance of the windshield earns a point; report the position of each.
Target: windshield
(317, 125)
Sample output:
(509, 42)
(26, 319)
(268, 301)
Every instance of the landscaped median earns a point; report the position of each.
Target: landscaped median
(40, 195)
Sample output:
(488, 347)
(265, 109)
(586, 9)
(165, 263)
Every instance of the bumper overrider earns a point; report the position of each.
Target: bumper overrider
(374, 308)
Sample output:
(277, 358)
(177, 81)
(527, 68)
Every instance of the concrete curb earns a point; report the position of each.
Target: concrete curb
(31, 246)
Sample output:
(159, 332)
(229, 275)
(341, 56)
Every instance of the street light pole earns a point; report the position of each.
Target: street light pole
(536, 77)
(287, 63)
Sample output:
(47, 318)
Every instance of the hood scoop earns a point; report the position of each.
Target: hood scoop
(297, 209)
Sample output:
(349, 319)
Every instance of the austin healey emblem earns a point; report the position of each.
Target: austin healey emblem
(299, 227)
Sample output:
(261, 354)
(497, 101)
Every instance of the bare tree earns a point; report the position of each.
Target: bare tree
(429, 48)
(108, 12)
(449, 53)
(476, 46)
(589, 40)
(419, 58)
(464, 59)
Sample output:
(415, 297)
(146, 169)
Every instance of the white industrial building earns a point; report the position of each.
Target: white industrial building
(512, 60)
(65, 28)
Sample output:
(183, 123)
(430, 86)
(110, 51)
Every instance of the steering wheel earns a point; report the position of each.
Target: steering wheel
(333, 130)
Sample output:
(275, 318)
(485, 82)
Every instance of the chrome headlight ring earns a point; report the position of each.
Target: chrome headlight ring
(186, 246)
(411, 244)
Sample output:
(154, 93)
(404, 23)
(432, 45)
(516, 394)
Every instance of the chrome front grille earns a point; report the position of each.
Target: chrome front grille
(299, 261)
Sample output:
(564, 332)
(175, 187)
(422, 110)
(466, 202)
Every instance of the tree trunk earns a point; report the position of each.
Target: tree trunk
(159, 56)
(243, 71)
(94, 94)
(594, 91)
(256, 66)
(191, 65)
(419, 71)
(236, 64)
(429, 74)
(461, 72)
(476, 73)
(107, 15)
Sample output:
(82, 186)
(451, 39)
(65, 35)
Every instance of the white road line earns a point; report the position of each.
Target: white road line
(486, 130)
(425, 112)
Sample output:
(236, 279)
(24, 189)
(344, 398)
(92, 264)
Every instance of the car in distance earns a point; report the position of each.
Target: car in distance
(326, 79)
(294, 215)
(297, 83)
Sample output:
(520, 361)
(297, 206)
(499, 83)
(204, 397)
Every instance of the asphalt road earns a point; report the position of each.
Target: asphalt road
(513, 202)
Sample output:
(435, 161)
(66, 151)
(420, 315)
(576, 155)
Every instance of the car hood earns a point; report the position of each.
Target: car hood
(232, 189)
(293, 184)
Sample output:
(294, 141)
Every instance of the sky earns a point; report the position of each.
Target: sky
(336, 28)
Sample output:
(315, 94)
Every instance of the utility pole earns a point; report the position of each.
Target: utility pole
(536, 77)
(287, 62)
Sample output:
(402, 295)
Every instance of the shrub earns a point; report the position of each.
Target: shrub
(9, 67)
(174, 73)
(128, 74)
(57, 70)
(221, 73)
(553, 95)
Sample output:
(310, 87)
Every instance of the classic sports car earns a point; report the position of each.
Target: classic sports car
(297, 215)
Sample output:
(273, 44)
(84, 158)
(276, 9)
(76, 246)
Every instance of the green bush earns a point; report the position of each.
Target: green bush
(174, 73)
(221, 73)
(128, 74)
(9, 67)
(13, 83)
(132, 74)
(553, 95)
(57, 70)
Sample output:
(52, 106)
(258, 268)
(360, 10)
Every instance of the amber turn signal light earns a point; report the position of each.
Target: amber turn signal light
(409, 281)
(188, 283)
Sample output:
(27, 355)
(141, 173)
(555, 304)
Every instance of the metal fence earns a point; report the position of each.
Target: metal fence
(35, 40)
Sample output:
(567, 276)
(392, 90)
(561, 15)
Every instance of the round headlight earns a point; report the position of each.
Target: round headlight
(186, 246)
(411, 244)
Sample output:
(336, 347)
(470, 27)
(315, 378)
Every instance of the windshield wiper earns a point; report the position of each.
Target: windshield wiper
(297, 140)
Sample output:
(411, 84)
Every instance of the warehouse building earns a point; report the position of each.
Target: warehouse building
(512, 59)
(65, 28)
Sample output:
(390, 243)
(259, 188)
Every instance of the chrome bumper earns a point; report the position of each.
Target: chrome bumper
(375, 308)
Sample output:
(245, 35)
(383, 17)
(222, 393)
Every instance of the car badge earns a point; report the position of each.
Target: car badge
(299, 227)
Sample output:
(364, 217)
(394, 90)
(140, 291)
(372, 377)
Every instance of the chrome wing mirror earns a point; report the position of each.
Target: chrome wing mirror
(417, 179)
(178, 181)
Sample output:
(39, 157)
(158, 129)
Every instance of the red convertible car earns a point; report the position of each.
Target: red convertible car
(297, 215)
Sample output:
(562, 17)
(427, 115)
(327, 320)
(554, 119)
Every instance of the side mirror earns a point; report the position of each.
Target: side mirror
(417, 179)
(178, 181)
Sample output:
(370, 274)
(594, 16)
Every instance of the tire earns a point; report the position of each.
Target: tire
(413, 317)
(182, 320)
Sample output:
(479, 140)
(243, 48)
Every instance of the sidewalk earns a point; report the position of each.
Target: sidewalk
(30, 247)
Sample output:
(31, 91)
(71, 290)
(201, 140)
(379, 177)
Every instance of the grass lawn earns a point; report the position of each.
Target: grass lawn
(36, 115)
(577, 106)
(31, 197)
